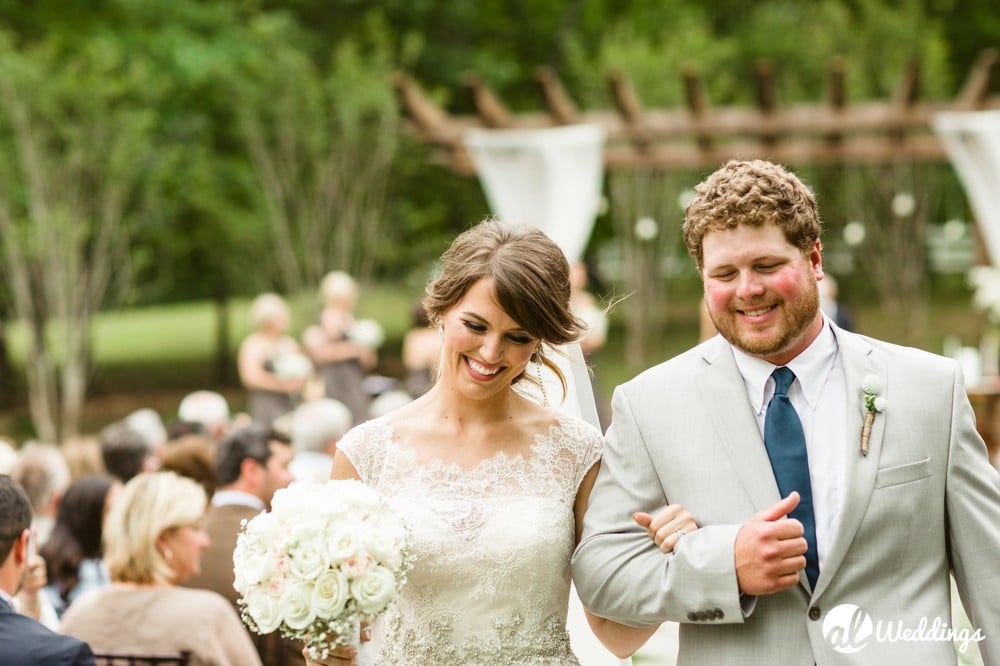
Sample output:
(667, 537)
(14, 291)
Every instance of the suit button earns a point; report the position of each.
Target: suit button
(692, 616)
(814, 613)
(719, 614)
(702, 616)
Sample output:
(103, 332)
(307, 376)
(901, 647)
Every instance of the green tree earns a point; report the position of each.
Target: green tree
(74, 141)
(321, 142)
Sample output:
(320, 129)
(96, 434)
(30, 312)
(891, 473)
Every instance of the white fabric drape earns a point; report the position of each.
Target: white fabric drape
(550, 179)
(972, 140)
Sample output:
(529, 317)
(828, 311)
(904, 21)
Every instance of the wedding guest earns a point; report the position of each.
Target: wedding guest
(317, 426)
(388, 401)
(74, 549)
(208, 410)
(492, 483)
(595, 335)
(192, 456)
(421, 350)
(154, 537)
(839, 480)
(149, 425)
(341, 360)
(251, 464)
(125, 451)
(830, 304)
(83, 456)
(23, 640)
(42, 471)
(8, 455)
(271, 366)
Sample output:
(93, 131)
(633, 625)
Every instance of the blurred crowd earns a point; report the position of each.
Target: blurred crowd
(132, 529)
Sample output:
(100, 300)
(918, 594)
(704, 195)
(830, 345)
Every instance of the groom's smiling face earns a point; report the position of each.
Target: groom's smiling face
(761, 291)
(483, 349)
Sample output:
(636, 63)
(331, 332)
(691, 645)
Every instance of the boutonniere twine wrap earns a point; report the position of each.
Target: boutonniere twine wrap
(871, 386)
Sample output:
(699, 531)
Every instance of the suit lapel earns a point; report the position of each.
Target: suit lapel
(721, 390)
(858, 360)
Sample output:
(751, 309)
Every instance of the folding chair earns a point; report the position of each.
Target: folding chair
(128, 658)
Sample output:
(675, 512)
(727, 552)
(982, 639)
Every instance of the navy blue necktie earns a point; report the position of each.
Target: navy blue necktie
(786, 447)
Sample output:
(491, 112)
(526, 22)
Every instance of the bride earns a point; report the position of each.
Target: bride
(493, 484)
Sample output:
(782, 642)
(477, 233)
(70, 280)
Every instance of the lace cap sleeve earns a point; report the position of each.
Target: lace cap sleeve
(365, 448)
(584, 442)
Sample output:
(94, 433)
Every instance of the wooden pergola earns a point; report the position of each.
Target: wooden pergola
(697, 135)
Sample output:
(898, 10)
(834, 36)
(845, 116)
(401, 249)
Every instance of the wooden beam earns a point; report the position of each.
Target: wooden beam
(766, 101)
(977, 85)
(430, 120)
(836, 95)
(628, 105)
(557, 101)
(764, 78)
(489, 107)
(694, 96)
(836, 90)
(903, 101)
(908, 89)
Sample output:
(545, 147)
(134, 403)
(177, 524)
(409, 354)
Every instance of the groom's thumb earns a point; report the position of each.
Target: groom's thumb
(779, 509)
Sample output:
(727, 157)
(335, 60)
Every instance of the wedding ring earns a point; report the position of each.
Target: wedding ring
(679, 534)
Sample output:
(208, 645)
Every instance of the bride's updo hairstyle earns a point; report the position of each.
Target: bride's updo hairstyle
(530, 281)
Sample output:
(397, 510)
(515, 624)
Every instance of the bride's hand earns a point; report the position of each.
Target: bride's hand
(667, 527)
(342, 656)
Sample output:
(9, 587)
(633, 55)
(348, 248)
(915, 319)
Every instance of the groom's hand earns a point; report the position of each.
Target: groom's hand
(770, 550)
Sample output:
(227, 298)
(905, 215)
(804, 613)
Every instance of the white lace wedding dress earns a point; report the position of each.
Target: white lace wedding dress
(491, 580)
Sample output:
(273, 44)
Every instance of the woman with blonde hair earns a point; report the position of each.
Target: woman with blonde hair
(154, 537)
(341, 359)
(271, 364)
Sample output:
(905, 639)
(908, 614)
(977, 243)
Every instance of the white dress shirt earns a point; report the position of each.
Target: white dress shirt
(230, 497)
(819, 396)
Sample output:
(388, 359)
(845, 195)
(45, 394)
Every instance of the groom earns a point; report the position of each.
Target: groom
(817, 544)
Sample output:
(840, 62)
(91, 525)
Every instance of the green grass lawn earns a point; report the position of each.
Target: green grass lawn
(153, 355)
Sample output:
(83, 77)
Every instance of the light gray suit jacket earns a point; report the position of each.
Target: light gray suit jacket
(924, 502)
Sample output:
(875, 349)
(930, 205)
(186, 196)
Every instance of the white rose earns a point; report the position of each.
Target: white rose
(251, 566)
(373, 590)
(343, 544)
(263, 609)
(330, 593)
(295, 605)
(383, 540)
(306, 561)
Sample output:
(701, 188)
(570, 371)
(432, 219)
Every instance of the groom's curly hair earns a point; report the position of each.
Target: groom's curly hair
(753, 193)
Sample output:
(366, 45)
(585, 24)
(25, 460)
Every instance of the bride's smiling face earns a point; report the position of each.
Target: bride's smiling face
(483, 349)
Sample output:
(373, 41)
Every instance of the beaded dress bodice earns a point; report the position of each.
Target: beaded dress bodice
(492, 546)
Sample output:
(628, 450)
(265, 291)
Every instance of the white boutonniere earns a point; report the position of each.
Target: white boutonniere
(871, 386)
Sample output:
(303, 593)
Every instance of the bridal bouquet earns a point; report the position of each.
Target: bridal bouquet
(324, 558)
(367, 332)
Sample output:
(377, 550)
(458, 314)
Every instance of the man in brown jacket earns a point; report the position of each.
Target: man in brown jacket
(251, 464)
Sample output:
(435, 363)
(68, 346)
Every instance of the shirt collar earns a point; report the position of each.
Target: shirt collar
(229, 497)
(811, 367)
